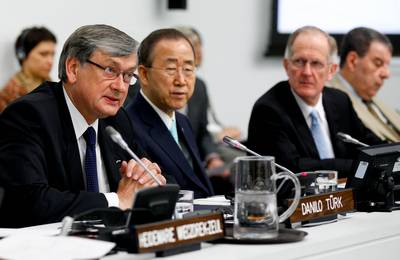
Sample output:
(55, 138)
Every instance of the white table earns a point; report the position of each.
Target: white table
(358, 236)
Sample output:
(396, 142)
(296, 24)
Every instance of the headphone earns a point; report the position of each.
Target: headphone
(20, 50)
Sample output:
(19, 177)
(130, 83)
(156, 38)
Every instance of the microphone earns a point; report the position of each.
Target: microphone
(349, 139)
(236, 144)
(117, 138)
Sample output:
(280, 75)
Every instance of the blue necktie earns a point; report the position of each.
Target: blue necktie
(90, 161)
(174, 131)
(318, 135)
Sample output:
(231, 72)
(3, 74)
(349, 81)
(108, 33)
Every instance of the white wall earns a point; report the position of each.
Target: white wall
(235, 34)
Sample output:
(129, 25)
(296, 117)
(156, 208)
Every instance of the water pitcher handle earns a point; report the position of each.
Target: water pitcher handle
(296, 199)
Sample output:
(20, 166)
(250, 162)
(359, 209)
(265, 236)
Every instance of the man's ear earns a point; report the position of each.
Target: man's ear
(332, 70)
(286, 64)
(143, 75)
(72, 66)
(352, 60)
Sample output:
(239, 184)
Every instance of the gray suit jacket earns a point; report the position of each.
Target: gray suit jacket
(370, 121)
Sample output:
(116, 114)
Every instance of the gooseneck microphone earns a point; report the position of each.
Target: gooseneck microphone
(117, 138)
(349, 139)
(236, 144)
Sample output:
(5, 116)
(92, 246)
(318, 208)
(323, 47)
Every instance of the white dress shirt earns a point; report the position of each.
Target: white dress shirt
(80, 126)
(306, 110)
(164, 116)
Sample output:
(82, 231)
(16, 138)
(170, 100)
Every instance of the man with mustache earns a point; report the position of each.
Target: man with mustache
(365, 57)
(167, 76)
(297, 120)
(56, 158)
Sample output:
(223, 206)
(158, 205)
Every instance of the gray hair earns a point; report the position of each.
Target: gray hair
(87, 39)
(311, 29)
(192, 34)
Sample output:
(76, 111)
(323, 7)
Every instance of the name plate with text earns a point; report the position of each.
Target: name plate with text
(174, 233)
(321, 205)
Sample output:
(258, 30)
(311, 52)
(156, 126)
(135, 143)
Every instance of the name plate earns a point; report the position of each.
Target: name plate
(173, 233)
(321, 205)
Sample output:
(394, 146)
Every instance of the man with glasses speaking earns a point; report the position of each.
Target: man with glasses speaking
(297, 121)
(56, 158)
(167, 76)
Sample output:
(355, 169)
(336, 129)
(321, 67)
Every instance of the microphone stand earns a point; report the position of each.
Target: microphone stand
(239, 146)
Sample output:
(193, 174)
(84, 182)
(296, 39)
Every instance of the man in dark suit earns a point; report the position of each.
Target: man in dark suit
(55, 156)
(167, 76)
(297, 121)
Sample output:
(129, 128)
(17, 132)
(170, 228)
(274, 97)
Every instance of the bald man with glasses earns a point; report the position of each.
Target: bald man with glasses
(297, 120)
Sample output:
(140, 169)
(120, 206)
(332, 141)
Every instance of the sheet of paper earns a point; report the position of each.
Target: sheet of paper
(42, 230)
(29, 246)
(214, 200)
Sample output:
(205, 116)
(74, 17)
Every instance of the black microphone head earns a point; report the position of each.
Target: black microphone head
(234, 143)
(228, 139)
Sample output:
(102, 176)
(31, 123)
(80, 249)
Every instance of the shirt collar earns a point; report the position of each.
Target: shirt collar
(306, 109)
(164, 116)
(78, 121)
(348, 87)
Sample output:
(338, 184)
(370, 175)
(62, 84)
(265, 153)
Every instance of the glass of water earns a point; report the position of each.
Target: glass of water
(184, 204)
(326, 181)
(256, 214)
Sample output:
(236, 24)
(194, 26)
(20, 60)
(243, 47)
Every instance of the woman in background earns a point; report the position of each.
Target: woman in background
(35, 49)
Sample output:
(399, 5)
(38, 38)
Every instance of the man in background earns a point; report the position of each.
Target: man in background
(365, 57)
(297, 120)
(167, 76)
(56, 158)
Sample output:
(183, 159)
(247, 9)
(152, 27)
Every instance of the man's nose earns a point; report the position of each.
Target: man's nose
(119, 83)
(307, 68)
(179, 77)
(385, 72)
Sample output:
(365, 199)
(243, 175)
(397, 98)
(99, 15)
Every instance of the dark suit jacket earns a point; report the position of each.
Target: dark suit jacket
(40, 166)
(277, 127)
(197, 115)
(159, 144)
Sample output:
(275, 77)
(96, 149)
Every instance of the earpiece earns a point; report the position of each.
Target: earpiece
(20, 53)
(20, 50)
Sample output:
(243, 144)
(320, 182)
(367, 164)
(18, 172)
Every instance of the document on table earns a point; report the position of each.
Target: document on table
(214, 200)
(52, 247)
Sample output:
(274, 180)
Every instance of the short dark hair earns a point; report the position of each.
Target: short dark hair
(145, 52)
(89, 38)
(29, 38)
(359, 39)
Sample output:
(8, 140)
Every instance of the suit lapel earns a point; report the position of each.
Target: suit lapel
(108, 157)
(333, 119)
(189, 140)
(162, 137)
(71, 157)
(299, 123)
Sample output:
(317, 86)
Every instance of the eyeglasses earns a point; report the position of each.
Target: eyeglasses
(112, 73)
(314, 64)
(187, 71)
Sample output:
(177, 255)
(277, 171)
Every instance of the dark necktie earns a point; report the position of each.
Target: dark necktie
(90, 161)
